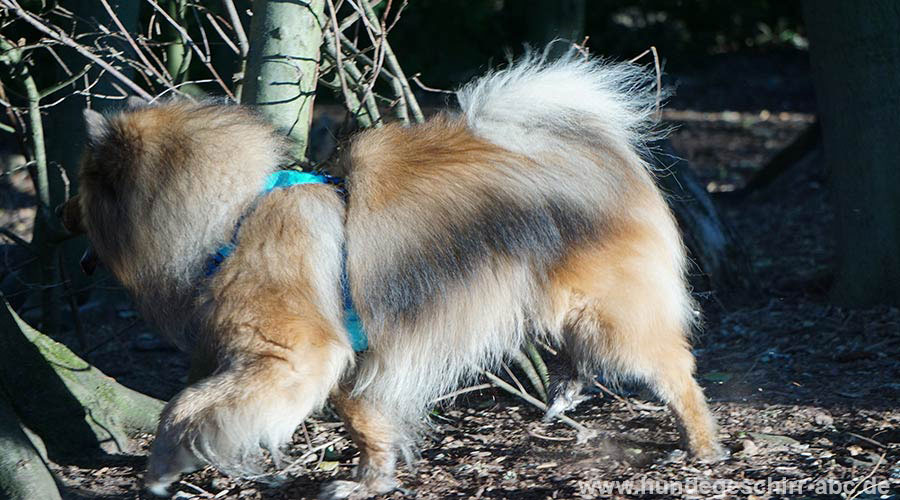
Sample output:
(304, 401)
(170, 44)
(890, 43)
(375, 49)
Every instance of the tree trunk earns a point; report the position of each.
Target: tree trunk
(712, 245)
(283, 65)
(72, 406)
(23, 471)
(855, 55)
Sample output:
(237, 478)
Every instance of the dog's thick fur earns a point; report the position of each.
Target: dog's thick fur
(530, 213)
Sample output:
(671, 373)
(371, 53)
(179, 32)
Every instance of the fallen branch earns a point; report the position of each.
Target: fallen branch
(479, 387)
(584, 433)
(615, 396)
(853, 493)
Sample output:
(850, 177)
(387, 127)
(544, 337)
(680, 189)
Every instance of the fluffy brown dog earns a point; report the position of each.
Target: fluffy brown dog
(528, 214)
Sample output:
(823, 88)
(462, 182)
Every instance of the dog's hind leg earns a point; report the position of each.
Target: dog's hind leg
(377, 440)
(624, 311)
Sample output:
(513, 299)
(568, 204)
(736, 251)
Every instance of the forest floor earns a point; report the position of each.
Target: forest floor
(807, 394)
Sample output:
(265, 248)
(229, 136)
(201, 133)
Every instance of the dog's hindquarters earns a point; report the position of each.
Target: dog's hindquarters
(623, 310)
(533, 211)
(620, 303)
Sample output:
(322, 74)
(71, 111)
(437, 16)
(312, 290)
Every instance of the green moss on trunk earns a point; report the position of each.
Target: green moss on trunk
(73, 406)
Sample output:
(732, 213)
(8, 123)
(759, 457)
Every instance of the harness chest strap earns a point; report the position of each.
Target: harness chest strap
(283, 179)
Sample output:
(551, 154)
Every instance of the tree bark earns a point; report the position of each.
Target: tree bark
(23, 472)
(283, 65)
(72, 406)
(712, 245)
(855, 55)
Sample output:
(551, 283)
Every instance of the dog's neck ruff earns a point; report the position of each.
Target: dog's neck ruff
(284, 179)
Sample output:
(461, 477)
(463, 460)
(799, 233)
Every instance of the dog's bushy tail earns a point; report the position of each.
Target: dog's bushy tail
(574, 97)
(229, 418)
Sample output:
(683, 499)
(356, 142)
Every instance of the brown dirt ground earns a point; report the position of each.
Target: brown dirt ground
(803, 390)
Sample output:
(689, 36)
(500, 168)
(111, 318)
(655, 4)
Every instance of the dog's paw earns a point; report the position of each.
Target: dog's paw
(676, 456)
(355, 490)
(568, 395)
(158, 488)
(339, 490)
(711, 454)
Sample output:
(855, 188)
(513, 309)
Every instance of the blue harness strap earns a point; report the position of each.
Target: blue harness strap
(283, 179)
(288, 178)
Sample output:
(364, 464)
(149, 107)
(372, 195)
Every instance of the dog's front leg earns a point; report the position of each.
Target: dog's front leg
(375, 436)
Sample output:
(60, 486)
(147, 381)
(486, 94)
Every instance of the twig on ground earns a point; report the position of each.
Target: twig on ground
(868, 440)
(646, 407)
(616, 396)
(583, 432)
(306, 455)
(548, 438)
(513, 377)
(853, 493)
(199, 490)
(479, 387)
(306, 436)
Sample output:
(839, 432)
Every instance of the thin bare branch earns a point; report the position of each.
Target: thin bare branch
(68, 41)
(353, 103)
(65, 83)
(221, 33)
(131, 42)
(426, 88)
(394, 64)
(193, 46)
(12, 55)
(479, 387)
(583, 432)
(338, 55)
(202, 35)
(237, 27)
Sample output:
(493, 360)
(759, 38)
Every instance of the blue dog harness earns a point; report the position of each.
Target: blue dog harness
(283, 179)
